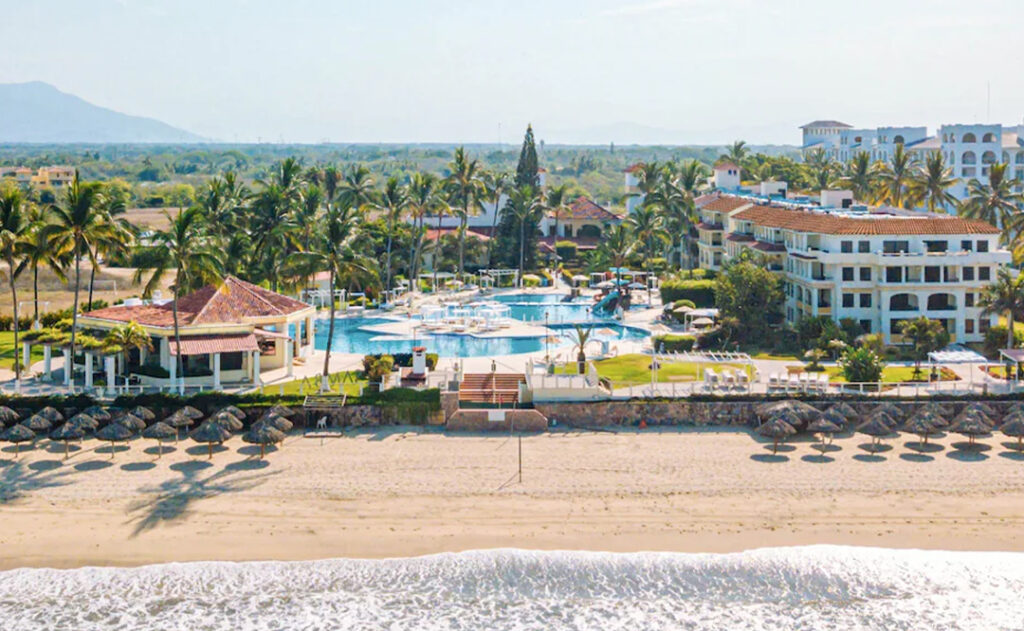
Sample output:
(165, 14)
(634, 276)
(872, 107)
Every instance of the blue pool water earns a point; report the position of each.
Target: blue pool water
(350, 335)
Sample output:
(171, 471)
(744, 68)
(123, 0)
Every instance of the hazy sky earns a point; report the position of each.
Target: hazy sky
(704, 71)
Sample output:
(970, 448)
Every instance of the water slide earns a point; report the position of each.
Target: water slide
(607, 304)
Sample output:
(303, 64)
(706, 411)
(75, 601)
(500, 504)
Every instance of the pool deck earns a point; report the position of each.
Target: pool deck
(409, 329)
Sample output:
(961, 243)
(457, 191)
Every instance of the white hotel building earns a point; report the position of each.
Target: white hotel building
(878, 268)
(968, 149)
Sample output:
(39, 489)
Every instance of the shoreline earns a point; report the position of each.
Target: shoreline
(403, 492)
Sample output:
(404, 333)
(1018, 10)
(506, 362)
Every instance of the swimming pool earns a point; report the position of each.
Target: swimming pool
(532, 307)
(351, 337)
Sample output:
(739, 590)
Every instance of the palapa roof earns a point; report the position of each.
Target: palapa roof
(160, 431)
(17, 434)
(864, 225)
(232, 301)
(583, 208)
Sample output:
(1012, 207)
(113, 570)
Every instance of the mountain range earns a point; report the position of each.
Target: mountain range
(37, 112)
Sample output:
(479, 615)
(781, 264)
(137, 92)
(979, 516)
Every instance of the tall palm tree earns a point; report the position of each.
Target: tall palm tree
(393, 201)
(677, 210)
(119, 237)
(77, 224)
(582, 337)
(931, 183)
(125, 337)
(690, 176)
(272, 228)
(187, 248)
(649, 229)
(494, 186)
(735, 153)
(356, 187)
(860, 177)
(994, 201)
(422, 201)
(893, 178)
(1004, 295)
(648, 175)
(821, 167)
(335, 252)
(618, 245)
(557, 201)
(39, 252)
(526, 206)
(464, 186)
(14, 228)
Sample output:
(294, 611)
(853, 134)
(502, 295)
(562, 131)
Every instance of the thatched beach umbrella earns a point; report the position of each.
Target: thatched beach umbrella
(846, 410)
(114, 433)
(803, 412)
(281, 410)
(1015, 429)
(971, 427)
(97, 412)
(776, 429)
(67, 432)
(920, 425)
(191, 412)
(233, 411)
(877, 429)
(51, 414)
(894, 411)
(38, 423)
(8, 416)
(177, 421)
(132, 422)
(824, 428)
(1011, 417)
(143, 412)
(973, 415)
(86, 422)
(886, 417)
(227, 420)
(17, 434)
(279, 423)
(832, 415)
(263, 435)
(160, 431)
(209, 433)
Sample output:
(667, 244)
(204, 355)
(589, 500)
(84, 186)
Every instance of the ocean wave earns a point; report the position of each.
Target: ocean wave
(816, 587)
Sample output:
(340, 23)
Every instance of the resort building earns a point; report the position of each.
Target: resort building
(53, 176)
(230, 333)
(969, 150)
(584, 222)
(877, 267)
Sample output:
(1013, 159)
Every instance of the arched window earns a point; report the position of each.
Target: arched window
(941, 302)
(903, 302)
(1020, 158)
(989, 137)
(898, 139)
(969, 158)
(988, 157)
(589, 230)
(969, 137)
(1006, 158)
(952, 138)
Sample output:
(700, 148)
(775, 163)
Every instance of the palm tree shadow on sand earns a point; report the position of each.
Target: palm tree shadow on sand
(18, 480)
(172, 500)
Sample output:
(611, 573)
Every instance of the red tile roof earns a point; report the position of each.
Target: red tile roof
(584, 208)
(726, 204)
(207, 344)
(807, 221)
(739, 237)
(232, 301)
(710, 226)
(432, 233)
(633, 168)
(726, 165)
(764, 246)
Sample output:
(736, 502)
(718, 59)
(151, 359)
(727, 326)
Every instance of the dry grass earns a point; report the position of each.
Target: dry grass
(151, 218)
(112, 283)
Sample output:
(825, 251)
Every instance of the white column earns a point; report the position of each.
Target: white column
(108, 364)
(47, 362)
(26, 354)
(172, 370)
(67, 365)
(256, 368)
(288, 357)
(216, 371)
(88, 371)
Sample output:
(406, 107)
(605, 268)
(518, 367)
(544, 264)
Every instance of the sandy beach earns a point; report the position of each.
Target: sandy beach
(408, 491)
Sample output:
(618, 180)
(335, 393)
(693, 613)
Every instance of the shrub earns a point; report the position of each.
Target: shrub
(711, 339)
(995, 339)
(700, 292)
(6, 322)
(565, 250)
(683, 303)
(531, 282)
(674, 343)
(861, 365)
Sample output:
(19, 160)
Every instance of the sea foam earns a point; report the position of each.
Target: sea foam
(817, 587)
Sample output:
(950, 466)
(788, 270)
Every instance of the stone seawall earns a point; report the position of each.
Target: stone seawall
(366, 416)
(482, 421)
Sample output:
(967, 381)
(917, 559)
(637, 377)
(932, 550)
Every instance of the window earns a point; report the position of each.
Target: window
(967, 245)
(969, 299)
(847, 301)
(864, 247)
(231, 361)
(989, 137)
(969, 157)
(865, 274)
(936, 246)
(865, 301)
(894, 247)
(932, 274)
(894, 274)
(969, 326)
(968, 273)
(982, 246)
(969, 137)
(984, 273)
(847, 273)
(846, 247)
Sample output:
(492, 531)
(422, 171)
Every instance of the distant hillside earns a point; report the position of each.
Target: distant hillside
(39, 112)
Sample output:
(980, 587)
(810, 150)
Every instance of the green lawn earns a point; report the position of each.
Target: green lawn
(635, 369)
(7, 350)
(350, 380)
(893, 374)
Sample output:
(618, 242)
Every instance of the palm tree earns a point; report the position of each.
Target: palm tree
(393, 200)
(120, 235)
(124, 337)
(735, 153)
(1005, 295)
(40, 252)
(677, 212)
(648, 176)
(526, 207)
(495, 185)
(422, 201)
(648, 228)
(14, 228)
(273, 228)
(860, 177)
(186, 247)
(356, 187)
(691, 175)
(77, 224)
(994, 202)
(822, 168)
(582, 336)
(618, 245)
(557, 201)
(464, 186)
(334, 252)
(894, 177)
(931, 183)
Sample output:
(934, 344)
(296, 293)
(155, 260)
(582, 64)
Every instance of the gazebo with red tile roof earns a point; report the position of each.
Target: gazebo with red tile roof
(232, 330)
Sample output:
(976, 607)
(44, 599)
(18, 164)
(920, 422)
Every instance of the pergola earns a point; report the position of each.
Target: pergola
(1013, 356)
(501, 273)
(957, 355)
